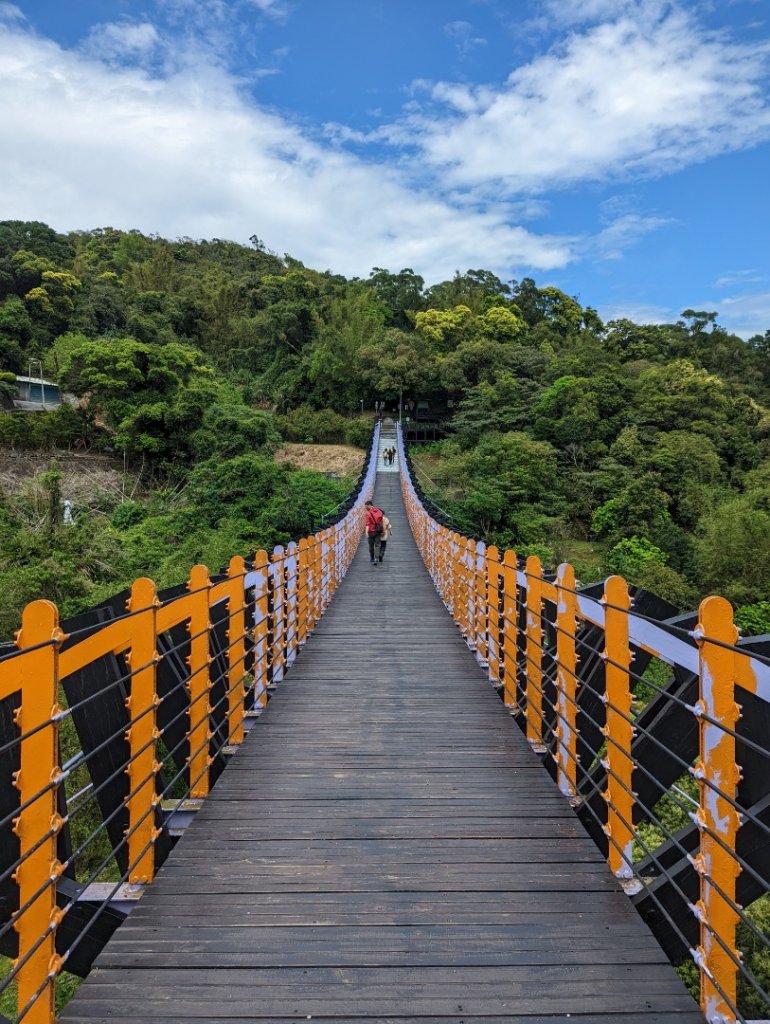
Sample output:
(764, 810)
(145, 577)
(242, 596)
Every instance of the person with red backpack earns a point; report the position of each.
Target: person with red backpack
(374, 517)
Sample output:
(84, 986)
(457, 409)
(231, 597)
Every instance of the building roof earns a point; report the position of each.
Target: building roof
(36, 380)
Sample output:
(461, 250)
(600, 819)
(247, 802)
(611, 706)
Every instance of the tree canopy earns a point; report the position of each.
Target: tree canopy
(568, 436)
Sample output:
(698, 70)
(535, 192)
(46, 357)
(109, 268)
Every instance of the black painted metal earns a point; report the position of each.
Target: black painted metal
(384, 846)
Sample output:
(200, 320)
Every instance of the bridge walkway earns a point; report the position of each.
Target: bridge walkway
(384, 847)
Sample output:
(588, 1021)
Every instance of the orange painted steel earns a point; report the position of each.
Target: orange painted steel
(39, 823)
(480, 602)
(566, 679)
(236, 649)
(260, 634)
(534, 652)
(718, 776)
(493, 613)
(469, 588)
(459, 602)
(199, 661)
(278, 591)
(721, 667)
(510, 629)
(290, 590)
(618, 729)
(34, 674)
(303, 591)
(142, 735)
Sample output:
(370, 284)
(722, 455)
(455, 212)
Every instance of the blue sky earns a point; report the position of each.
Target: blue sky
(619, 150)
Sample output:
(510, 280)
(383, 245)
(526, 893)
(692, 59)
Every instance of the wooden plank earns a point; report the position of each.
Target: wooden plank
(684, 1017)
(385, 848)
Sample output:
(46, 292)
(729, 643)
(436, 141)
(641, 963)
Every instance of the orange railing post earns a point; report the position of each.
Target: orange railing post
(39, 823)
(717, 817)
(302, 591)
(468, 548)
(313, 581)
(456, 603)
(200, 682)
(328, 547)
(292, 597)
(493, 612)
(142, 735)
(278, 591)
(510, 631)
(534, 652)
(261, 614)
(566, 679)
(236, 649)
(618, 729)
(32, 675)
(480, 601)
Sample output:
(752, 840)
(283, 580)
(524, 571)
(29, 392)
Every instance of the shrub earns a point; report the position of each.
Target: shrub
(310, 426)
(753, 619)
(631, 555)
(358, 432)
(129, 513)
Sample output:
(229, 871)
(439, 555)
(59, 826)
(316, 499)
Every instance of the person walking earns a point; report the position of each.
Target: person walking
(373, 526)
(386, 529)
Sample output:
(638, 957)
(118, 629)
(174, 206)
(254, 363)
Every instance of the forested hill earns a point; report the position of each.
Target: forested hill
(625, 447)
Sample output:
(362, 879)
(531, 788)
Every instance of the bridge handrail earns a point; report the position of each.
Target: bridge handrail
(228, 641)
(544, 642)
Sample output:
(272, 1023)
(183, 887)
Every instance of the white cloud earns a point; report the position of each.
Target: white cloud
(188, 153)
(122, 40)
(640, 312)
(621, 233)
(567, 12)
(273, 8)
(184, 150)
(744, 314)
(738, 277)
(463, 34)
(10, 12)
(641, 94)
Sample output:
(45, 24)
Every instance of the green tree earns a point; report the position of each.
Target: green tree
(399, 295)
(640, 509)
(630, 555)
(502, 324)
(475, 289)
(582, 413)
(399, 362)
(735, 549)
(445, 328)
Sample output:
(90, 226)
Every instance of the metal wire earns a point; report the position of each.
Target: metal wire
(702, 827)
(655, 898)
(28, 650)
(297, 593)
(471, 613)
(102, 865)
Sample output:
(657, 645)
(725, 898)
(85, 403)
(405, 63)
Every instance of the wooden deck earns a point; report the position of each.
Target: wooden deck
(385, 847)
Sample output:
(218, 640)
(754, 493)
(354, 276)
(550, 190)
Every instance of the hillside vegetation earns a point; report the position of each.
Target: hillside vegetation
(640, 449)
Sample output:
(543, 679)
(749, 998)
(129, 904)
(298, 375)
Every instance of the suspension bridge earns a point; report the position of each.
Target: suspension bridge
(352, 810)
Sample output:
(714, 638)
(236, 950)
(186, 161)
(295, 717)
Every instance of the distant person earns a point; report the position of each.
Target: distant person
(383, 539)
(373, 525)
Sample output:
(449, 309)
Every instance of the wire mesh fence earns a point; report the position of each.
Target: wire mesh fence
(658, 732)
(153, 701)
